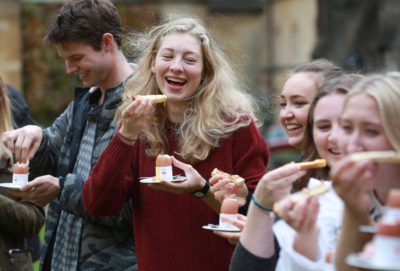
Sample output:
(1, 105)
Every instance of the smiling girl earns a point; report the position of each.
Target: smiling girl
(369, 122)
(208, 122)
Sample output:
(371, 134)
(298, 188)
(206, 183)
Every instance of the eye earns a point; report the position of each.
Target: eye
(76, 58)
(190, 60)
(282, 104)
(372, 132)
(167, 57)
(347, 128)
(299, 104)
(323, 126)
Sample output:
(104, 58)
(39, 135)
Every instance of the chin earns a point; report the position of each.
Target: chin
(295, 143)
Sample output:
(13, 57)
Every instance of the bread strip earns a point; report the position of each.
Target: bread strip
(318, 163)
(295, 197)
(236, 179)
(377, 156)
(155, 98)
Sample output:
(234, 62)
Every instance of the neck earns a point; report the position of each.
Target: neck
(175, 112)
(120, 71)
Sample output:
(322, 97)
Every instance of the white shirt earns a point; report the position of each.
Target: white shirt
(329, 221)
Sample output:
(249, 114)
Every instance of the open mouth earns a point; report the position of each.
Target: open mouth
(334, 151)
(291, 127)
(175, 81)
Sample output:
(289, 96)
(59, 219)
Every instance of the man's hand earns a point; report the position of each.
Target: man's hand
(40, 191)
(23, 142)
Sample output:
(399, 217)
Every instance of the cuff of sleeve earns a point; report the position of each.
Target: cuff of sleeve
(61, 181)
(43, 144)
(245, 207)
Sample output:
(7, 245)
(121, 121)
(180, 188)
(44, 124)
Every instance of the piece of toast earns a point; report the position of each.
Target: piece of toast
(377, 156)
(317, 163)
(306, 192)
(236, 179)
(155, 98)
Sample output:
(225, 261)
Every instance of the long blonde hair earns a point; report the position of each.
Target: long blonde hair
(6, 123)
(219, 107)
(385, 89)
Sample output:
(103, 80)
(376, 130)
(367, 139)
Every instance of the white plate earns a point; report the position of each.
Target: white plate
(213, 227)
(13, 186)
(357, 261)
(176, 178)
(367, 229)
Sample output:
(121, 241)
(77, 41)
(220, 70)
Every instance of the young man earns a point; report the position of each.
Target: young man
(87, 35)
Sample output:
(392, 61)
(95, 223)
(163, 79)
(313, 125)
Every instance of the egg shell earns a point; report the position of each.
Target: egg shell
(229, 206)
(20, 169)
(393, 199)
(163, 160)
(389, 229)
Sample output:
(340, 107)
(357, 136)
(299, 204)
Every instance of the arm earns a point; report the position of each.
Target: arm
(352, 182)
(70, 199)
(45, 160)
(20, 218)
(107, 188)
(250, 156)
(244, 260)
(302, 217)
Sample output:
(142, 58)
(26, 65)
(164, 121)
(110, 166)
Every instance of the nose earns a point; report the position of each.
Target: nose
(286, 112)
(354, 143)
(176, 65)
(334, 133)
(70, 67)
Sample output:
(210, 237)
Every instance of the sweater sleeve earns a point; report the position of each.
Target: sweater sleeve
(250, 154)
(107, 188)
(244, 260)
(20, 218)
(46, 158)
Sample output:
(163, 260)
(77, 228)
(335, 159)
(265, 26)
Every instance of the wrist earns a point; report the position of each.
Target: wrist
(202, 191)
(127, 137)
(61, 181)
(260, 206)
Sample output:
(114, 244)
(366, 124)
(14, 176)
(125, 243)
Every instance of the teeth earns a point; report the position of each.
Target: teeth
(176, 80)
(293, 126)
(337, 152)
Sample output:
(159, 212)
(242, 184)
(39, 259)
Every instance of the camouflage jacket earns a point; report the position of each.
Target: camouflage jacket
(106, 242)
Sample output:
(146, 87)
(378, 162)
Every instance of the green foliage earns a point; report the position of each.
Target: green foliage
(47, 88)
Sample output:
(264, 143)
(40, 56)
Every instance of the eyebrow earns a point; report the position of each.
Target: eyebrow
(294, 96)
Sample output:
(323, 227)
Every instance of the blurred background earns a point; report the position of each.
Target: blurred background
(264, 38)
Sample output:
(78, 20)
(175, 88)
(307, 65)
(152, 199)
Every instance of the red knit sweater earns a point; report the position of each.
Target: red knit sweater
(168, 227)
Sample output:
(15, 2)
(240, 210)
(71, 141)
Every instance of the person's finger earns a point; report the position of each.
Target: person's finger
(281, 172)
(179, 164)
(215, 179)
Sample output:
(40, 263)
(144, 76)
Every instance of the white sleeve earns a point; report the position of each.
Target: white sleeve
(329, 221)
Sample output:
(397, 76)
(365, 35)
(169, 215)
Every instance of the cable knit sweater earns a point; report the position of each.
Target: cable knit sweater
(168, 227)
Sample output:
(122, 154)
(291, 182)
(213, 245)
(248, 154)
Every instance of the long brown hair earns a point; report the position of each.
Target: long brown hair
(340, 85)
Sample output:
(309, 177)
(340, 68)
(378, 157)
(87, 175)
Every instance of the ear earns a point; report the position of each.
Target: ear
(152, 64)
(108, 41)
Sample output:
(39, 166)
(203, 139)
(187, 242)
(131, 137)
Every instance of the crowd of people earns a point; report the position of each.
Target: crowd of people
(87, 167)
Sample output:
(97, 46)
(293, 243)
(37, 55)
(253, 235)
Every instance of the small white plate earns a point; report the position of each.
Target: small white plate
(357, 261)
(213, 227)
(367, 229)
(175, 179)
(12, 186)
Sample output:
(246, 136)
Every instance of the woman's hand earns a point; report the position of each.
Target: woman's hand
(277, 184)
(302, 217)
(135, 117)
(194, 180)
(224, 188)
(233, 237)
(353, 183)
